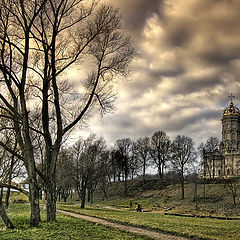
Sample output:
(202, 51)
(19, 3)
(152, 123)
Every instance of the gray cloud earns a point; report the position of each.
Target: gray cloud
(206, 30)
(137, 12)
(189, 64)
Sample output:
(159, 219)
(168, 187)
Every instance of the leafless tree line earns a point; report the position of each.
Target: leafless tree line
(40, 42)
(89, 163)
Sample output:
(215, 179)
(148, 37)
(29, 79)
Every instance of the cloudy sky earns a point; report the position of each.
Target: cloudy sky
(188, 64)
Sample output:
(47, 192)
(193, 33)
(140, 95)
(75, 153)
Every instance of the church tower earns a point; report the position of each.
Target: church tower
(231, 138)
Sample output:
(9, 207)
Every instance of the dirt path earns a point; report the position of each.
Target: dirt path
(136, 230)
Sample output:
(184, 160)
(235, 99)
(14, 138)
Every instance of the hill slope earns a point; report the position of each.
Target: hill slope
(166, 197)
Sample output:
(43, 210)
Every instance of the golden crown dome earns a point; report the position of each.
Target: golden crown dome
(231, 110)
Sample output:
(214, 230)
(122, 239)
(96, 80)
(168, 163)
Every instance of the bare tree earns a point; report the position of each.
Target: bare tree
(160, 150)
(232, 185)
(64, 173)
(116, 165)
(210, 148)
(183, 154)
(104, 172)
(123, 156)
(87, 159)
(9, 169)
(141, 149)
(40, 40)
(3, 177)
(3, 213)
(99, 162)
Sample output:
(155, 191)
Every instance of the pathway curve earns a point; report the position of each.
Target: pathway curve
(136, 230)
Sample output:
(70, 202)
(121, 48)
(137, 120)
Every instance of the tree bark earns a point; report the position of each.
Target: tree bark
(59, 196)
(33, 195)
(144, 171)
(204, 189)
(89, 195)
(104, 193)
(182, 179)
(125, 187)
(34, 203)
(7, 198)
(51, 196)
(234, 200)
(3, 214)
(114, 177)
(160, 172)
(195, 197)
(9, 180)
(83, 196)
(182, 188)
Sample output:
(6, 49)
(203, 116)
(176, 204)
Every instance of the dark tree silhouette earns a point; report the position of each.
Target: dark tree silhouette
(87, 160)
(123, 156)
(183, 154)
(142, 153)
(160, 150)
(40, 40)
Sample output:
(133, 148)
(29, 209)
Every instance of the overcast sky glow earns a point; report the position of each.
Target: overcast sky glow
(189, 64)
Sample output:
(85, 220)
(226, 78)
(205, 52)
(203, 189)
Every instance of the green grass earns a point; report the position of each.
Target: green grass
(17, 196)
(218, 201)
(190, 227)
(64, 228)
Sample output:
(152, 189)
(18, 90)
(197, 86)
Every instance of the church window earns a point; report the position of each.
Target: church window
(228, 171)
(219, 172)
(233, 136)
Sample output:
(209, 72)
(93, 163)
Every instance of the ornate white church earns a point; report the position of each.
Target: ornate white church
(225, 161)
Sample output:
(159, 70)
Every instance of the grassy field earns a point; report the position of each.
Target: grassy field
(191, 227)
(64, 228)
(155, 200)
(217, 201)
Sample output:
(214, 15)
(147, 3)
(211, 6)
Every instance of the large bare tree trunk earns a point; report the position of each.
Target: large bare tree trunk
(51, 199)
(144, 171)
(7, 197)
(33, 185)
(34, 203)
(3, 214)
(83, 197)
(89, 195)
(182, 188)
(9, 181)
(125, 187)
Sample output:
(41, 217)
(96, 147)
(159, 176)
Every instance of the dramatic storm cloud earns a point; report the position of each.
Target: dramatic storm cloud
(137, 12)
(188, 64)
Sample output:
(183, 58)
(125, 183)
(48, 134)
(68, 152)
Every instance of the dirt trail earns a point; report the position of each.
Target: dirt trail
(136, 230)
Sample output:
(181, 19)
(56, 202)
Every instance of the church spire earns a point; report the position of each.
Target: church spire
(231, 97)
(231, 109)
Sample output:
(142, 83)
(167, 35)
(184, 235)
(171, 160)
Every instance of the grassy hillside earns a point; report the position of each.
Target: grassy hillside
(166, 197)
